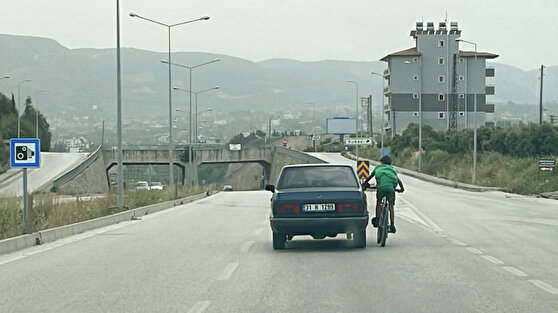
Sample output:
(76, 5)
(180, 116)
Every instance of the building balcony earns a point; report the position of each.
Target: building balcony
(489, 72)
(387, 91)
(489, 90)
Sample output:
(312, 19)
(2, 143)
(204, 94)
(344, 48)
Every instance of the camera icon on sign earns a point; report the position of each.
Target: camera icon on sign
(23, 153)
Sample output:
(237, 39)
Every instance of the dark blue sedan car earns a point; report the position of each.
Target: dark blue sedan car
(320, 200)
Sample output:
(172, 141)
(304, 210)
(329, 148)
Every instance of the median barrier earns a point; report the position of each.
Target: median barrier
(49, 235)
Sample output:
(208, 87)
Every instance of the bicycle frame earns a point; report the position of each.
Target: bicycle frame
(382, 233)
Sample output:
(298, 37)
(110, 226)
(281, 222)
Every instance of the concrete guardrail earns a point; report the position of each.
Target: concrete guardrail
(49, 235)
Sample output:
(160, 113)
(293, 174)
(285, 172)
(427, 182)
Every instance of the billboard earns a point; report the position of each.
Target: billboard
(340, 125)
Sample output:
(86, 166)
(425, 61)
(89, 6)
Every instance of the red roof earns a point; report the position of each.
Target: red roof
(486, 55)
(408, 52)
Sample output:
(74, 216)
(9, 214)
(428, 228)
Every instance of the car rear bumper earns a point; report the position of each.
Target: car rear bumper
(307, 226)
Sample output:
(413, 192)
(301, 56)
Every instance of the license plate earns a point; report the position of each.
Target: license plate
(318, 207)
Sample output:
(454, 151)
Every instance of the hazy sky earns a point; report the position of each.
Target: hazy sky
(522, 32)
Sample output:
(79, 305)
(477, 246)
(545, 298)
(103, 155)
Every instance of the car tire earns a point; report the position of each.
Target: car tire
(359, 238)
(279, 240)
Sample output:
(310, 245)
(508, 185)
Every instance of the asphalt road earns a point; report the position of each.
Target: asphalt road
(454, 251)
(53, 164)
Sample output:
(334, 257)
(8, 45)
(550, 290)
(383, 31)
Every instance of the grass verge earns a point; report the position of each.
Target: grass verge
(51, 210)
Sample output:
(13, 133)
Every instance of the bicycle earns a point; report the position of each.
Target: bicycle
(383, 226)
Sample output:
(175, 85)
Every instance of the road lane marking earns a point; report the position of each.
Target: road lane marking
(258, 231)
(17, 255)
(492, 259)
(474, 250)
(246, 246)
(423, 217)
(228, 271)
(456, 242)
(515, 271)
(544, 286)
(199, 307)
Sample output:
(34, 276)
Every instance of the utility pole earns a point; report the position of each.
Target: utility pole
(370, 128)
(541, 97)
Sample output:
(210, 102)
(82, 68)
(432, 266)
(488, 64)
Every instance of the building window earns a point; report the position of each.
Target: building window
(441, 115)
(415, 77)
(441, 43)
(415, 114)
(441, 97)
(461, 78)
(441, 61)
(461, 96)
(441, 79)
(461, 114)
(415, 96)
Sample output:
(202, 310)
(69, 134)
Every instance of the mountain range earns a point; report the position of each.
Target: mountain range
(82, 82)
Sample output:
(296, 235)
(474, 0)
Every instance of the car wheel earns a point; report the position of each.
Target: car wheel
(359, 238)
(279, 240)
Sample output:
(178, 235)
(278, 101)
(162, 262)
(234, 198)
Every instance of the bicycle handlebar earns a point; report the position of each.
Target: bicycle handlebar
(376, 187)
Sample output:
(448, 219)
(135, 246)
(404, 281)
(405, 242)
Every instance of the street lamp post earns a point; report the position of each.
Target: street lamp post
(356, 94)
(313, 123)
(474, 175)
(383, 113)
(196, 93)
(19, 105)
(169, 26)
(37, 114)
(190, 68)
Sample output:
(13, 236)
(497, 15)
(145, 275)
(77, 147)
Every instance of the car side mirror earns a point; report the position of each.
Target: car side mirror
(270, 188)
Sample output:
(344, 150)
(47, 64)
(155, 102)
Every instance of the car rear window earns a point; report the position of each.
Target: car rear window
(317, 176)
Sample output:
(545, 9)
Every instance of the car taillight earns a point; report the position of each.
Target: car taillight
(288, 208)
(347, 207)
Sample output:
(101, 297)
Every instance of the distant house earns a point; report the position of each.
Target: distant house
(437, 83)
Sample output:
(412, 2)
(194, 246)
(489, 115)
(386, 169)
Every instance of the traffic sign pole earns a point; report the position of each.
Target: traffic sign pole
(26, 220)
(25, 153)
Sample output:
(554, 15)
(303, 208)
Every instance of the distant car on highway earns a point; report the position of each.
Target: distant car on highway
(156, 185)
(227, 188)
(320, 200)
(142, 185)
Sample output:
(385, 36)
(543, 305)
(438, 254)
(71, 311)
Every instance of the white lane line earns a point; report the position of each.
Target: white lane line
(474, 250)
(435, 228)
(492, 259)
(258, 231)
(199, 307)
(228, 271)
(456, 242)
(544, 286)
(17, 255)
(515, 271)
(246, 246)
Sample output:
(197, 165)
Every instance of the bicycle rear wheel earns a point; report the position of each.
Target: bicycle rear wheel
(383, 229)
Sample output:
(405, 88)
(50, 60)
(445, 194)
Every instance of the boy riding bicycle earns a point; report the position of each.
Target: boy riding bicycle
(386, 182)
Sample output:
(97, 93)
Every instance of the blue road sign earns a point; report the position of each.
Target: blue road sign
(25, 152)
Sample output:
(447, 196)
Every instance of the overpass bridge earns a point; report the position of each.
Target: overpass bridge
(97, 173)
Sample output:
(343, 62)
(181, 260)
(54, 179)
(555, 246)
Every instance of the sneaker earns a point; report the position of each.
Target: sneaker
(392, 229)
(375, 222)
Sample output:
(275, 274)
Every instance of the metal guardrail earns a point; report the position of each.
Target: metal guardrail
(71, 174)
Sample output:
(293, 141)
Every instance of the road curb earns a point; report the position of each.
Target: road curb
(436, 180)
(49, 235)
